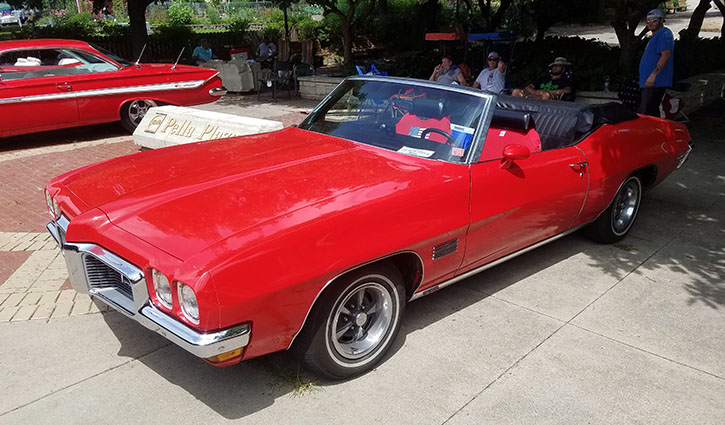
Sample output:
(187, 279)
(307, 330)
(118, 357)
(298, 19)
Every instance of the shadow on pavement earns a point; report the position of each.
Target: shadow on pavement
(59, 137)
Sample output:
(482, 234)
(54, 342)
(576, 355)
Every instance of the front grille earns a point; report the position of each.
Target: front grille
(100, 276)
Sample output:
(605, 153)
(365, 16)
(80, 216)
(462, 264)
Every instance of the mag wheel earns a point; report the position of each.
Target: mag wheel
(354, 324)
(133, 112)
(614, 223)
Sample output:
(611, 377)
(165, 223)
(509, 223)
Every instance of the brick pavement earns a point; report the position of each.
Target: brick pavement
(33, 279)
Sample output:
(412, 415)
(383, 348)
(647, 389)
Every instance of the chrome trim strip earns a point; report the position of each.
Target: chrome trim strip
(53, 232)
(105, 92)
(219, 91)
(309, 310)
(425, 83)
(492, 264)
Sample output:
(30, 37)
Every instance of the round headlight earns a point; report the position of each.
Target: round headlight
(163, 288)
(189, 306)
(49, 202)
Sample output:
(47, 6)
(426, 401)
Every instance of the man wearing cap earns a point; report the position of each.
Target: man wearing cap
(492, 78)
(551, 85)
(655, 67)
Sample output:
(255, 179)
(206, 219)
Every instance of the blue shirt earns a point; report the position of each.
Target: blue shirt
(662, 40)
(200, 52)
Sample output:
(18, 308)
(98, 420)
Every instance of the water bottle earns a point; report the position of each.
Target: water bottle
(606, 84)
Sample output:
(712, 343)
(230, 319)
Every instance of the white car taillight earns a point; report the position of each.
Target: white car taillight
(163, 288)
(187, 300)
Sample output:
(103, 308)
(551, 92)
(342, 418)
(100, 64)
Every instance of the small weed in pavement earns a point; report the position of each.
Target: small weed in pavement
(624, 246)
(300, 385)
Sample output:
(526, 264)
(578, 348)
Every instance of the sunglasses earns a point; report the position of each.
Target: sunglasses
(650, 20)
(493, 59)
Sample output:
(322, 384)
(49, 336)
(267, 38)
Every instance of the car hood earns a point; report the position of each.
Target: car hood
(186, 198)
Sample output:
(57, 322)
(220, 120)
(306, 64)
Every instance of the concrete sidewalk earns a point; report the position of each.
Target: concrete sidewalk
(573, 332)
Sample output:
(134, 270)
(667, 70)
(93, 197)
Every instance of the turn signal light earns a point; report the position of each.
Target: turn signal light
(225, 356)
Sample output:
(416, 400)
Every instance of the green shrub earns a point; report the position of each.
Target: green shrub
(157, 15)
(212, 14)
(308, 28)
(180, 14)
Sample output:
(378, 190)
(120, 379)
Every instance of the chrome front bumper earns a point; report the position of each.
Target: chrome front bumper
(139, 306)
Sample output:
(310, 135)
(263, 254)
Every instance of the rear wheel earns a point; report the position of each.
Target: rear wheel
(133, 112)
(615, 221)
(354, 323)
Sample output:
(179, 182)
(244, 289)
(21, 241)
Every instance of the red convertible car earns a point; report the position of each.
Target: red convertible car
(52, 84)
(313, 238)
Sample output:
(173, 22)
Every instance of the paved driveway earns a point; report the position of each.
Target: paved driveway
(574, 332)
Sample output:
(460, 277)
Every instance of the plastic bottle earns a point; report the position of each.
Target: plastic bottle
(606, 84)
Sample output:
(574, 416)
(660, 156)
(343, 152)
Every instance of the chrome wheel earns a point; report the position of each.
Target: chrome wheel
(625, 206)
(354, 323)
(361, 322)
(137, 109)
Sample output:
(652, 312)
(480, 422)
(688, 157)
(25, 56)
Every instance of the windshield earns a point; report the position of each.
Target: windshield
(412, 119)
(116, 58)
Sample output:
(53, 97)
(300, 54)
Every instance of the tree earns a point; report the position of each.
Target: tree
(627, 15)
(137, 21)
(346, 10)
(692, 31)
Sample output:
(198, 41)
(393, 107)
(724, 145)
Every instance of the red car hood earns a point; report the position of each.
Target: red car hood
(186, 198)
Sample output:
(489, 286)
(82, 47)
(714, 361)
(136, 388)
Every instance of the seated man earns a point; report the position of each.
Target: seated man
(492, 78)
(447, 73)
(551, 85)
(266, 51)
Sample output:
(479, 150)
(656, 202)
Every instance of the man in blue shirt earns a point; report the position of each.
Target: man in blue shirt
(202, 53)
(655, 67)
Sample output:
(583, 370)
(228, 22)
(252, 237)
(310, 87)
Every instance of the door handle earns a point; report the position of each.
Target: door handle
(64, 87)
(578, 166)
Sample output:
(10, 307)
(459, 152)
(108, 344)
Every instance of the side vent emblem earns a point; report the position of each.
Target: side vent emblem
(445, 248)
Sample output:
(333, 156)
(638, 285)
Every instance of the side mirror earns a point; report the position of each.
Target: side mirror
(514, 152)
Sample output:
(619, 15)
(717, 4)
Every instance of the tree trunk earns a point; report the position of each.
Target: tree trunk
(698, 16)
(499, 15)
(137, 24)
(347, 41)
(721, 7)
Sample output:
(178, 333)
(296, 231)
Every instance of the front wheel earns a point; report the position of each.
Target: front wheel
(354, 324)
(614, 223)
(133, 112)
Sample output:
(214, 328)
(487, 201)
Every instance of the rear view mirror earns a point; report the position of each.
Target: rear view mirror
(514, 152)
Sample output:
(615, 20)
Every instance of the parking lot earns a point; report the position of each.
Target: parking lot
(573, 332)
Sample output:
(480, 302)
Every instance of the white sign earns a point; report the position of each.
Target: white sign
(175, 125)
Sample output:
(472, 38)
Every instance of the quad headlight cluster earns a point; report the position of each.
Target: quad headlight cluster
(186, 297)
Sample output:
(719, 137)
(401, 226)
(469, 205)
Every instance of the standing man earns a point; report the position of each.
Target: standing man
(655, 67)
(492, 78)
(446, 73)
(202, 53)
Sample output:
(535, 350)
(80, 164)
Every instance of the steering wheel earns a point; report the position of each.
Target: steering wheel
(449, 139)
